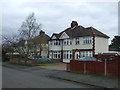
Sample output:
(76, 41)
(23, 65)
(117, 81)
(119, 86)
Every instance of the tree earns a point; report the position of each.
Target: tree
(21, 43)
(8, 45)
(29, 30)
(115, 43)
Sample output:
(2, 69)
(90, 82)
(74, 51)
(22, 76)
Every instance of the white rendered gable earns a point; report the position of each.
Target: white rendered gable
(64, 36)
(54, 37)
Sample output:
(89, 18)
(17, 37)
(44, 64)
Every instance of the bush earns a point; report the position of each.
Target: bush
(5, 58)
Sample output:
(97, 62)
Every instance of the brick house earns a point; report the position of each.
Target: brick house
(77, 41)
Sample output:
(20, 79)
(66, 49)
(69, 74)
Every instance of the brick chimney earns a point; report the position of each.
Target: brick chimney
(74, 24)
(41, 32)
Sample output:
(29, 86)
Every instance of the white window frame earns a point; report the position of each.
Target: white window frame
(56, 54)
(85, 53)
(77, 55)
(67, 42)
(87, 40)
(77, 41)
(56, 42)
(67, 54)
(50, 55)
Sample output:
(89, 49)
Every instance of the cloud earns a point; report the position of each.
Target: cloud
(57, 16)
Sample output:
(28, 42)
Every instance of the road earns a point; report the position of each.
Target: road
(13, 78)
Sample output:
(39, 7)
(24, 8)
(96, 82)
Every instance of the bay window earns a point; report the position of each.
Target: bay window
(56, 54)
(67, 54)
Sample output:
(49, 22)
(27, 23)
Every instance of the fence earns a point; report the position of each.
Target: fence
(108, 67)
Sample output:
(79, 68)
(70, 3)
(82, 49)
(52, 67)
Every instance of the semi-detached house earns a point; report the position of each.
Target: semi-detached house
(77, 41)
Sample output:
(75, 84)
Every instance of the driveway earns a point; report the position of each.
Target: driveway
(60, 66)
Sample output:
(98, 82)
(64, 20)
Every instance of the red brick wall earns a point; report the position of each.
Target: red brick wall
(95, 67)
(15, 60)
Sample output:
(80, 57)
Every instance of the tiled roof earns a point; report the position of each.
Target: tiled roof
(80, 31)
(42, 38)
(21, 43)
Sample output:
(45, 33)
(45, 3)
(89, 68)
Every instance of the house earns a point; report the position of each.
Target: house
(77, 41)
(35, 46)
(40, 43)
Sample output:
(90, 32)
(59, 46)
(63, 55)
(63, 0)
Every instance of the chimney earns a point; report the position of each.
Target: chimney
(74, 24)
(41, 32)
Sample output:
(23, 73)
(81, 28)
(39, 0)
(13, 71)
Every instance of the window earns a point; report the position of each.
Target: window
(77, 55)
(67, 42)
(86, 54)
(50, 55)
(67, 54)
(56, 42)
(50, 43)
(87, 40)
(77, 41)
(56, 54)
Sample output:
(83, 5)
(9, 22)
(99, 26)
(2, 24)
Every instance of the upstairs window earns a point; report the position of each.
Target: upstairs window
(87, 40)
(50, 43)
(67, 42)
(77, 41)
(56, 42)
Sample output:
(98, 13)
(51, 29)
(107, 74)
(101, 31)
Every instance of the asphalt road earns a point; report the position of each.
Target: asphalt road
(13, 78)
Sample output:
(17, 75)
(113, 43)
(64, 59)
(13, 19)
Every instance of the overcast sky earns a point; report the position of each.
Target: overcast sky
(57, 16)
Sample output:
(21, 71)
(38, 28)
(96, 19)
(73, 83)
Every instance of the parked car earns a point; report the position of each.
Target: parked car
(87, 59)
(108, 59)
(41, 58)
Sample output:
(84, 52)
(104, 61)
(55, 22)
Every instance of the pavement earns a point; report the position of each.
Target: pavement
(100, 81)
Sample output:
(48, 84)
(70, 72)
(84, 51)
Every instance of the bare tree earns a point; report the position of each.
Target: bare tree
(29, 30)
(21, 43)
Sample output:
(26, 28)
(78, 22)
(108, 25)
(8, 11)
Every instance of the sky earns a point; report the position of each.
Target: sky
(56, 16)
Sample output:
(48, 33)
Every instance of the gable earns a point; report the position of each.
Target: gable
(54, 37)
(64, 36)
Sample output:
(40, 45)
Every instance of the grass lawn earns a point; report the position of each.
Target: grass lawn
(47, 64)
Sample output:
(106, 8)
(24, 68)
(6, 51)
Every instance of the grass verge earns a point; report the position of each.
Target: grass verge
(46, 64)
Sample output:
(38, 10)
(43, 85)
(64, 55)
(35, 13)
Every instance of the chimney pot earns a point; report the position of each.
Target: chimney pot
(74, 24)
(42, 32)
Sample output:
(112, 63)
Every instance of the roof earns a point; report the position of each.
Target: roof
(80, 31)
(43, 38)
(21, 43)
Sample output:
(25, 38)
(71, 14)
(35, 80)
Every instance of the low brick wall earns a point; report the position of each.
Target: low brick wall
(24, 62)
(109, 67)
(15, 60)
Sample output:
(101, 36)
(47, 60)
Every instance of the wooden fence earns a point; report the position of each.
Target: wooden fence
(104, 67)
